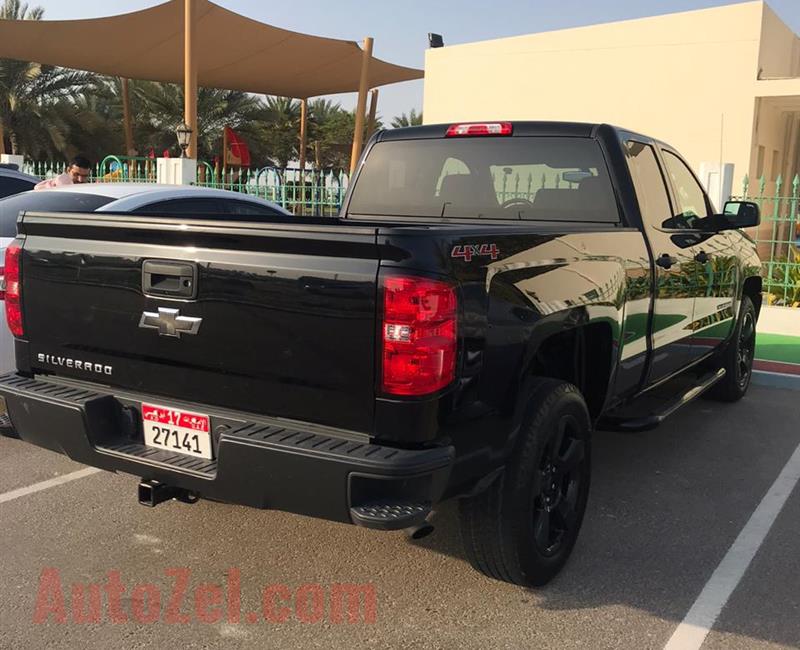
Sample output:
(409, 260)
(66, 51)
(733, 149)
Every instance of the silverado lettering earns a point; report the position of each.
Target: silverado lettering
(68, 362)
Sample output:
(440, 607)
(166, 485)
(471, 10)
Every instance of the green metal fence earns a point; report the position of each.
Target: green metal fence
(778, 238)
(312, 192)
(43, 168)
(122, 169)
(524, 181)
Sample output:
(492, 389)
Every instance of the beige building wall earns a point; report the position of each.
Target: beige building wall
(780, 48)
(689, 79)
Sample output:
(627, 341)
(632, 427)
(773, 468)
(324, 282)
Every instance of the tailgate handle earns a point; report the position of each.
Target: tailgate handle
(169, 279)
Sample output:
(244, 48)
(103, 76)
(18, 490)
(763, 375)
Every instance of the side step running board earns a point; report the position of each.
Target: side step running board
(390, 515)
(619, 422)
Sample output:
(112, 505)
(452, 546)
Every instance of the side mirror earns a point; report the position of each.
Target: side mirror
(742, 214)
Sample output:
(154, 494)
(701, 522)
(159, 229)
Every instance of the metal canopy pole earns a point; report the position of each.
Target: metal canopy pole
(373, 112)
(363, 88)
(303, 145)
(190, 74)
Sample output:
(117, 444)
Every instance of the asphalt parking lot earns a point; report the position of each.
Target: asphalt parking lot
(665, 508)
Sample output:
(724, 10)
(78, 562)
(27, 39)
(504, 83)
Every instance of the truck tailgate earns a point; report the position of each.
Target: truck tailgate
(286, 311)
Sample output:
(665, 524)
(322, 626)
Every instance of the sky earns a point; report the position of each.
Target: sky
(400, 29)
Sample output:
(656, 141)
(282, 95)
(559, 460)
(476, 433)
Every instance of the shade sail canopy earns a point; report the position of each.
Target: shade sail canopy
(233, 52)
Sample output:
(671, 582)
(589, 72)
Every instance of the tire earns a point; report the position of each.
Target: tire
(518, 529)
(738, 357)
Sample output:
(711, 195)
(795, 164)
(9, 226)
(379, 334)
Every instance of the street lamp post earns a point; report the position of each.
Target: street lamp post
(184, 133)
(183, 170)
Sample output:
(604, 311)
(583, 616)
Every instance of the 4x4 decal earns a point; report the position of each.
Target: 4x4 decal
(468, 251)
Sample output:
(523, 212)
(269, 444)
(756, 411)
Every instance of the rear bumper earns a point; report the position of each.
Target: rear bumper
(258, 462)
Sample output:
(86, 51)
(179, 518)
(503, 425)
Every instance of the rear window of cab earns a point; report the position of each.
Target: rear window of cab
(540, 178)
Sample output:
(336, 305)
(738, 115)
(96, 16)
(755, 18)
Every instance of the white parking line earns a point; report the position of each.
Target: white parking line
(44, 485)
(691, 633)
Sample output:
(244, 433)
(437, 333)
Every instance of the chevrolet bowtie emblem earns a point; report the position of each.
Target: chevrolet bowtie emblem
(169, 322)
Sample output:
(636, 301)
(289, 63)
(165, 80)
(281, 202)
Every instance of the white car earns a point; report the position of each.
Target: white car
(132, 198)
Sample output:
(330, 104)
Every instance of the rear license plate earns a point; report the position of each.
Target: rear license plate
(175, 430)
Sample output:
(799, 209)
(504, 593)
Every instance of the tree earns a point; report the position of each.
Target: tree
(336, 140)
(412, 119)
(332, 127)
(29, 93)
(321, 111)
(274, 131)
(92, 120)
(160, 110)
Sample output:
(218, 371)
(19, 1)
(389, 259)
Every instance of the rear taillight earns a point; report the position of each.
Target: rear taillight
(482, 128)
(419, 335)
(13, 288)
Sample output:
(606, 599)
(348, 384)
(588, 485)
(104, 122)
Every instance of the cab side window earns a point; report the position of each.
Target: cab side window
(651, 191)
(689, 194)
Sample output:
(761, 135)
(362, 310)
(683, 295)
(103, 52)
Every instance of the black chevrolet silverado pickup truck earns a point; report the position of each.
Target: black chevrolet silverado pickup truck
(490, 295)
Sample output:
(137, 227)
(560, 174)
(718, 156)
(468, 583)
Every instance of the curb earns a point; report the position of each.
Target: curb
(776, 380)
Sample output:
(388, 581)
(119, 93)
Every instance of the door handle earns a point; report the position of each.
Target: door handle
(666, 261)
(702, 257)
(169, 279)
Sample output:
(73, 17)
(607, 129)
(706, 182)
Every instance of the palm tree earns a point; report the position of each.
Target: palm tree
(15, 10)
(322, 110)
(412, 119)
(282, 120)
(11, 71)
(160, 111)
(332, 127)
(220, 108)
(29, 94)
(92, 117)
(328, 123)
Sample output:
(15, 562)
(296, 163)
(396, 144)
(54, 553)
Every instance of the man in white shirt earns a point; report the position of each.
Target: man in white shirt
(78, 171)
